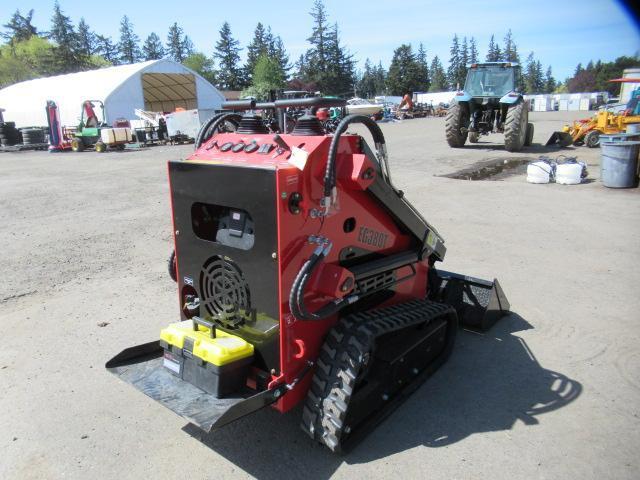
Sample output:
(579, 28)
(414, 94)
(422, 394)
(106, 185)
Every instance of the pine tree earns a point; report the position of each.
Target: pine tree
(549, 81)
(473, 51)
(107, 49)
(494, 54)
(256, 48)
(177, 44)
(438, 76)
(366, 87)
(20, 27)
(128, 45)
(86, 38)
(510, 52)
(152, 48)
(534, 78)
(454, 64)
(279, 54)
(64, 35)
(380, 76)
(404, 72)
(464, 61)
(230, 75)
(421, 58)
(301, 67)
(316, 58)
(339, 77)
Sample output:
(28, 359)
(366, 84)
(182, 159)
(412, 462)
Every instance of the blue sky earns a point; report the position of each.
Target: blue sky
(561, 33)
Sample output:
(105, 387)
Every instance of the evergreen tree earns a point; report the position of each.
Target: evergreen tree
(64, 35)
(178, 44)
(202, 65)
(230, 75)
(107, 49)
(473, 51)
(510, 51)
(279, 54)
(128, 45)
(257, 47)
(464, 61)
(454, 64)
(20, 27)
(316, 58)
(339, 77)
(152, 48)
(86, 38)
(494, 54)
(404, 72)
(380, 77)
(534, 78)
(301, 67)
(438, 76)
(549, 81)
(421, 58)
(366, 87)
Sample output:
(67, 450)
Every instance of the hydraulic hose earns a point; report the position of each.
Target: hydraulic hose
(378, 139)
(209, 127)
(296, 296)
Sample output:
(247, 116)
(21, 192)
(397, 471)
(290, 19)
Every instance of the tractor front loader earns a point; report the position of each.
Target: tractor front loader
(304, 276)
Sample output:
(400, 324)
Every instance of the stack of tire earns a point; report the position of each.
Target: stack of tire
(32, 136)
(9, 134)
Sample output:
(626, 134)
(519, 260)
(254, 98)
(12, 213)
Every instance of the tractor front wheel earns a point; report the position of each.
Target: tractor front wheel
(473, 137)
(457, 120)
(592, 139)
(515, 127)
(101, 147)
(77, 145)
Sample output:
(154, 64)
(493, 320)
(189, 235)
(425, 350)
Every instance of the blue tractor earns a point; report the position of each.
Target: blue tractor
(490, 103)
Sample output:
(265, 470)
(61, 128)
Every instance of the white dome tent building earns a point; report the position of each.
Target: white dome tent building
(156, 85)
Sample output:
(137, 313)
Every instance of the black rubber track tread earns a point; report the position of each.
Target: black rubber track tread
(516, 121)
(454, 122)
(344, 355)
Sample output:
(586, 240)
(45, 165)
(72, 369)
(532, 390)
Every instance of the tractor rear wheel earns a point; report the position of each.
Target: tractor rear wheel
(592, 139)
(473, 137)
(529, 137)
(457, 119)
(77, 145)
(515, 127)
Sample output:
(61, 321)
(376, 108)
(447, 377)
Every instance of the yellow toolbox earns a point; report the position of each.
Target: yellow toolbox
(211, 359)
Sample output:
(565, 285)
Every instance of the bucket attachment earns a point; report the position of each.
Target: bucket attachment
(563, 139)
(479, 303)
(142, 366)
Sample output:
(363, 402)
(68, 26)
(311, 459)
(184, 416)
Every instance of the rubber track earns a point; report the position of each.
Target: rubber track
(344, 353)
(513, 126)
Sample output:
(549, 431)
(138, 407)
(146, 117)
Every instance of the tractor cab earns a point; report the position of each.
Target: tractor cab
(491, 79)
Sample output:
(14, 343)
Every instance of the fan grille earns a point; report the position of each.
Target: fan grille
(224, 292)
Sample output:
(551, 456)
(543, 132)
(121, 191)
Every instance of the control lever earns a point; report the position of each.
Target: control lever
(281, 145)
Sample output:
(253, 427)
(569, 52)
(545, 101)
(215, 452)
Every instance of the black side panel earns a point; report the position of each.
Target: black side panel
(250, 281)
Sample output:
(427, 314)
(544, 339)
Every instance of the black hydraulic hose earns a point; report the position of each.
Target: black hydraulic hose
(207, 129)
(296, 296)
(330, 171)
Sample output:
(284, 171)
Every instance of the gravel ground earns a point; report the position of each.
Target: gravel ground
(553, 391)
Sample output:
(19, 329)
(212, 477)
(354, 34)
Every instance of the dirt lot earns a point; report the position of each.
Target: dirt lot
(553, 391)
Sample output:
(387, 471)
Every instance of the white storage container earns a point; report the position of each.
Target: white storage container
(115, 135)
(569, 173)
(539, 172)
